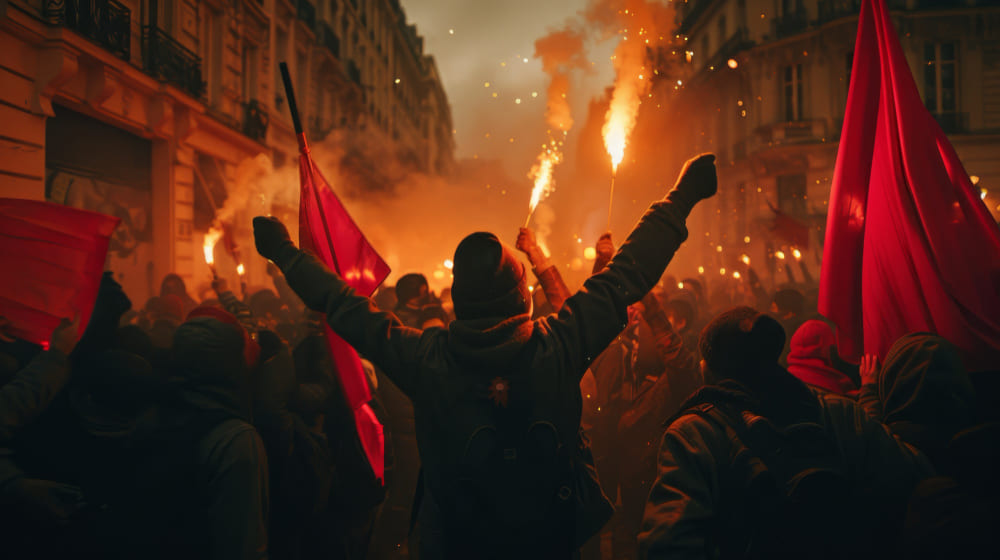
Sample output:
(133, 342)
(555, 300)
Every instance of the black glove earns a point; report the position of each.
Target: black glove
(697, 181)
(43, 500)
(271, 238)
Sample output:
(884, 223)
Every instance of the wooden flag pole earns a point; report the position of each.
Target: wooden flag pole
(293, 108)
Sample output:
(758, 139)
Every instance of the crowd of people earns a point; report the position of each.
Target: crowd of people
(637, 417)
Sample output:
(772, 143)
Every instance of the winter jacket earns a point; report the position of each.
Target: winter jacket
(447, 373)
(700, 502)
(24, 399)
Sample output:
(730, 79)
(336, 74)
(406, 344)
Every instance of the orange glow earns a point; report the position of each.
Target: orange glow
(542, 173)
(745, 259)
(732, 63)
(240, 270)
(780, 255)
(797, 254)
(736, 275)
(590, 253)
(211, 238)
(448, 264)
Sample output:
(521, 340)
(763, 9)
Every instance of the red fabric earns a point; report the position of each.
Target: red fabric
(809, 358)
(910, 246)
(53, 258)
(326, 229)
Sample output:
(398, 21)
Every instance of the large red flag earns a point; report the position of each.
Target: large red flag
(910, 246)
(326, 229)
(52, 258)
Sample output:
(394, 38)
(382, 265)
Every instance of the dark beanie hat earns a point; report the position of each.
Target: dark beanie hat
(209, 351)
(742, 342)
(408, 287)
(489, 280)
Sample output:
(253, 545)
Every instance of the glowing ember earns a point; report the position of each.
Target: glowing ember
(974, 179)
(680, 285)
(736, 275)
(732, 63)
(722, 271)
(211, 238)
(745, 259)
(718, 249)
(240, 270)
(448, 264)
(701, 270)
(780, 255)
(797, 254)
(746, 239)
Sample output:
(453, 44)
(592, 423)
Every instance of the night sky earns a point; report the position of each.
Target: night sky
(476, 42)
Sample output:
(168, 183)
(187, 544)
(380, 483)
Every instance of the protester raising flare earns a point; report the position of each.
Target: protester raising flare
(759, 466)
(496, 396)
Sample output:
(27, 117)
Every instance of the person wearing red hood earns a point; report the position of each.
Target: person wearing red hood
(811, 359)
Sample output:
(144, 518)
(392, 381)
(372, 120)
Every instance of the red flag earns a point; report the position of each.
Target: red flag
(326, 229)
(53, 258)
(910, 246)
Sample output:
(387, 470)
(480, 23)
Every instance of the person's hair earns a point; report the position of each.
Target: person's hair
(742, 344)
(408, 287)
(790, 300)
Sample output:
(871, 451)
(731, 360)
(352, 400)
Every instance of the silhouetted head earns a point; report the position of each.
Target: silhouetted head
(489, 280)
(411, 288)
(742, 344)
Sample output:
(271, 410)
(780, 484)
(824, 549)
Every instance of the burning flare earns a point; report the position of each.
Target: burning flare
(211, 238)
(542, 173)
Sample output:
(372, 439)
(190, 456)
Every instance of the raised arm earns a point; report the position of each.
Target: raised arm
(376, 335)
(548, 275)
(595, 315)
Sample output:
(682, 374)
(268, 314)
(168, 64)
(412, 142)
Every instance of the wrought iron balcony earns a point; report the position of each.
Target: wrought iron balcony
(696, 10)
(835, 9)
(790, 24)
(165, 58)
(306, 12)
(330, 39)
(255, 120)
(104, 22)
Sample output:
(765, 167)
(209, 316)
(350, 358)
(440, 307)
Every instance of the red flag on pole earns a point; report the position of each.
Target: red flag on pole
(326, 229)
(910, 246)
(53, 258)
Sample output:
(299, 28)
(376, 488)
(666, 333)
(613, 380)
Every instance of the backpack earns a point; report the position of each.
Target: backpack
(794, 500)
(518, 484)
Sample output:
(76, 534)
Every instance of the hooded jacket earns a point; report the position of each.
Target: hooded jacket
(922, 393)
(810, 360)
(447, 373)
(698, 499)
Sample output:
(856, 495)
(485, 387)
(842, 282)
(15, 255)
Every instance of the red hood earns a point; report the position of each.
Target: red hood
(809, 358)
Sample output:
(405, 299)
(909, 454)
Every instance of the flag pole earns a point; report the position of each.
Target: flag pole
(293, 108)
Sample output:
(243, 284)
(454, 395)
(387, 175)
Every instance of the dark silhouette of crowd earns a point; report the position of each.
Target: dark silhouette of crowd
(637, 417)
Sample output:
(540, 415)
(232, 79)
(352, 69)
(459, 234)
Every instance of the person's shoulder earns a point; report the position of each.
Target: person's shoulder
(233, 437)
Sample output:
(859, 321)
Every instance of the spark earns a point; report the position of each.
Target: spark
(448, 264)
(732, 63)
(780, 255)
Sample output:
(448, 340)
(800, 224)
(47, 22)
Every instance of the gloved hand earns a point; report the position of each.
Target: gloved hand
(526, 244)
(698, 180)
(605, 246)
(271, 237)
(65, 336)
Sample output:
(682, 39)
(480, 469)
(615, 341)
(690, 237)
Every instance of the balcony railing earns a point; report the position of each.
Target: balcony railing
(104, 22)
(835, 9)
(165, 58)
(733, 45)
(330, 39)
(952, 123)
(306, 12)
(255, 120)
(790, 24)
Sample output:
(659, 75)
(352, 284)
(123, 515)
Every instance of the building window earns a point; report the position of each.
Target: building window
(792, 194)
(211, 55)
(792, 92)
(940, 94)
(250, 65)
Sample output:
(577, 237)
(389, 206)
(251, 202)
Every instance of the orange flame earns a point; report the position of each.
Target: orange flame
(211, 238)
(240, 270)
(542, 172)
